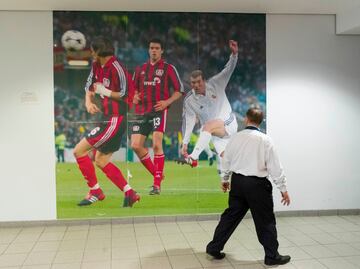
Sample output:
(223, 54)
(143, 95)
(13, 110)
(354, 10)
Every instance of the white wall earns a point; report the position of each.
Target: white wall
(312, 111)
(313, 108)
(27, 159)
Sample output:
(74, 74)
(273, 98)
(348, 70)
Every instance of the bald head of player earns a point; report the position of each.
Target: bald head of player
(155, 50)
(197, 82)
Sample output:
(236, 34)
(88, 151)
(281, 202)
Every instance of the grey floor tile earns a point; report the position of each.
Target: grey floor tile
(148, 240)
(97, 255)
(207, 261)
(96, 265)
(249, 266)
(337, 263)
(296, 253)
(355, 260)
(130, 252)
(123, 242)
(12, 259)
(241, 257)
(348, 237)
(324, 238)
(343, 249)
(330, 228)
(173, 238)
(26, 237)
(319, 251)
(3, 247)
(308, 264)
(35, 258)
(126, 264)
(349, 227)
(52, 236)
(75, 235)
(155, 263)
(355, 245)
(46, 246)
(178, 250)
(66, 266)
(217, 267)
(81, 227)
(38, 266)
(128, 232)
(25, 247)
(184, 261)
(7, 238)
(312, 242)
(151, 251)
(55, 229)
(72, 245)
(309, 229)
(104, 243)
(69, 257)
(301, 240)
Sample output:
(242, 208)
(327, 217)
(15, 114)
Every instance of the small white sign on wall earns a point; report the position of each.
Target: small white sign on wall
(29, 97)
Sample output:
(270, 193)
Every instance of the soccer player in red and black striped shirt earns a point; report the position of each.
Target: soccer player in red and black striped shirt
(110, 81)
(157, 86)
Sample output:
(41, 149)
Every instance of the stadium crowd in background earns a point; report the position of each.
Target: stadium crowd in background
(192, 41)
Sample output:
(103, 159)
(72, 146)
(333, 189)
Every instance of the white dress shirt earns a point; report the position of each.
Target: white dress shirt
(252, 153)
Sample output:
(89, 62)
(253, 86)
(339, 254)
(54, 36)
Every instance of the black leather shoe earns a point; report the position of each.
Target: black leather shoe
(278, 260)
(217, 255)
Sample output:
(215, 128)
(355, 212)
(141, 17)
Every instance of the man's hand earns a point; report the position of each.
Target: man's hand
(285, 198)
(136, 99)
(184, 149)
(225, 185)
(233, 45)
(161, 105)
(92, 108)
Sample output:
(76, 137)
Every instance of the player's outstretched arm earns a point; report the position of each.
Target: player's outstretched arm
(221, 79)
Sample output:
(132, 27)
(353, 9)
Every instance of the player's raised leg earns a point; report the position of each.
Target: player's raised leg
(210, 129)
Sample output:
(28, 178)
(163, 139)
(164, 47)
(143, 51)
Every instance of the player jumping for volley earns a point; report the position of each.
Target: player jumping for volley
(208, 102)
(109, 80)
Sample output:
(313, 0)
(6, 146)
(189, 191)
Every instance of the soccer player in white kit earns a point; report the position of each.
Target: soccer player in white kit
(208, 102)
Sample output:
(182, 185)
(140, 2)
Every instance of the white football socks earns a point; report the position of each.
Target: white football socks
(208, 151)
(201, 144)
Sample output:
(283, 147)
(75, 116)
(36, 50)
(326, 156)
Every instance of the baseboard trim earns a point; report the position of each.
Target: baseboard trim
(178, 218)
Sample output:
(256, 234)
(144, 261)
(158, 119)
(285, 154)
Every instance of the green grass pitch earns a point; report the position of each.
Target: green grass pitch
(184, 191)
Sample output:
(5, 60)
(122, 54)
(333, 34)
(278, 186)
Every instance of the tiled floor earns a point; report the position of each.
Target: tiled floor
(312, 242)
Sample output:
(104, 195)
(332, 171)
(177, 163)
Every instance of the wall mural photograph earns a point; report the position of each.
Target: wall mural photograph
(145, 103)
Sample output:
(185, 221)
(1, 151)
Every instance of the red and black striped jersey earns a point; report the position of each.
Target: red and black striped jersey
(115, 78)
(155, 82)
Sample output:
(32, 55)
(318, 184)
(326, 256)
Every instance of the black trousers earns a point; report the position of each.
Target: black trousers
(248, 192)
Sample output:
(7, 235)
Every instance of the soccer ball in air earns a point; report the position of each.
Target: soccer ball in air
(73, 40)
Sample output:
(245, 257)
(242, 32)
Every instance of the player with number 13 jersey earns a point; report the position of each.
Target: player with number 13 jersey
(157, 85)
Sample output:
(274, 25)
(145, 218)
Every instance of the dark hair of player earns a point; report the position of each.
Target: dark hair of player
(157, 41)
(102, 46)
